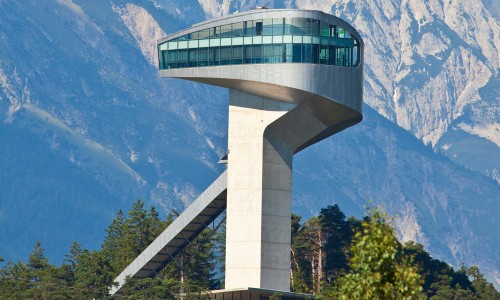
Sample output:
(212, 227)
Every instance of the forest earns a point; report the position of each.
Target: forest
(332, 257)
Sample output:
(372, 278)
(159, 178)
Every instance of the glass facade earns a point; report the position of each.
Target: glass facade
(278, 40)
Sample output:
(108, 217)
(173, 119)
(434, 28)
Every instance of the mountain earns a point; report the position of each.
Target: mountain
(88, 125)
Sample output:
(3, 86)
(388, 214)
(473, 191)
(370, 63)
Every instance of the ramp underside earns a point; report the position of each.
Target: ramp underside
(198, 216)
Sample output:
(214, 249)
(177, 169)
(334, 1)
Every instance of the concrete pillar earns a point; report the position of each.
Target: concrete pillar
(258, 197)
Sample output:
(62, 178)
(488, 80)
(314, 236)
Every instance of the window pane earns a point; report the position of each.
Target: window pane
(258, 28)
(202, 57)
(193, 57)
(247, 54)
(172, 45)
(288, 52)
(237, 41)
(323, 54)
(193, 36)
(204, 43)
(268, 53)
(163, 46)
(215, 31)
(307, 53)
(225, 55)
(237, 55)
(267, 27)
(324, 29)
(237, 29)
(256, 54)
(225, 42)
(204, 34)
(278, 26)
(214, 56)
(257, 40)
(296, 52)
(340, 32)
(297, 39)
(287, 39)
(214, 42)
(314, 27)
(247, 40)
(332, 55)
(315, 53)
(225, 30)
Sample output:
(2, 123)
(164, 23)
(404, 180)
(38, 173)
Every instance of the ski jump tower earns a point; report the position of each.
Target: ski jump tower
(295, 77)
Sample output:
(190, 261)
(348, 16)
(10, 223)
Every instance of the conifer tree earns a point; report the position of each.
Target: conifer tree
(115, 246)
(484, 289)
(338, 236)
(299, 280)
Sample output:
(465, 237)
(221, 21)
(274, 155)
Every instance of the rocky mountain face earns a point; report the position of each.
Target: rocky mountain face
(87, 125)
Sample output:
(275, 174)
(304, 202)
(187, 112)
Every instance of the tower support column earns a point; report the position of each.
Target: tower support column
(258, 197)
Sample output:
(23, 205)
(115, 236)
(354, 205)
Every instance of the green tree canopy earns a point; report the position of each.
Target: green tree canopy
(378, 268)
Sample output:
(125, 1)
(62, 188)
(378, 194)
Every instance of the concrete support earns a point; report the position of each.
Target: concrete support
(258, 197)
(263, 137)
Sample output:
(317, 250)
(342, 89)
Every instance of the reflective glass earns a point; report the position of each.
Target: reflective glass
(237, 41)
(237, 29)
(275, 40)
(267, 27)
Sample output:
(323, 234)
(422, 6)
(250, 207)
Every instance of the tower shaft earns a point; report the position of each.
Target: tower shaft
(259, 197)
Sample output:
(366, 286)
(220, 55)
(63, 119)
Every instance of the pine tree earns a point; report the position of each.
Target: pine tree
(484, 289)
(115, 246)
(298, 278)
(93, 275)
(15, 281)
(338, 236)
(137, 226)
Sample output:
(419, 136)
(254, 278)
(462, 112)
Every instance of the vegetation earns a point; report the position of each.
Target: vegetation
(331, 257)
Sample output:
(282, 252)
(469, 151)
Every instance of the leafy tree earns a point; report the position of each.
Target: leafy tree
(378, 268)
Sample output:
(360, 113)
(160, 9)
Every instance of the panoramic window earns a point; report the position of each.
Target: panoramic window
(277, 40)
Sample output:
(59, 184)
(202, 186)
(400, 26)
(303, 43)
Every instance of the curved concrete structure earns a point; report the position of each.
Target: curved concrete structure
(295, 78)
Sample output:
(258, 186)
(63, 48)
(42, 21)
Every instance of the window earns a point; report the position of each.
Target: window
(225, 55)
(237, 29)
(225, 31)
(267, 27)
(258, 28)
(276, 40)
(256, 54)
(237, 57)
(213, 56)
(278, 28)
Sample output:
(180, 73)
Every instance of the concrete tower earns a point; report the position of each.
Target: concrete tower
(295, 78)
